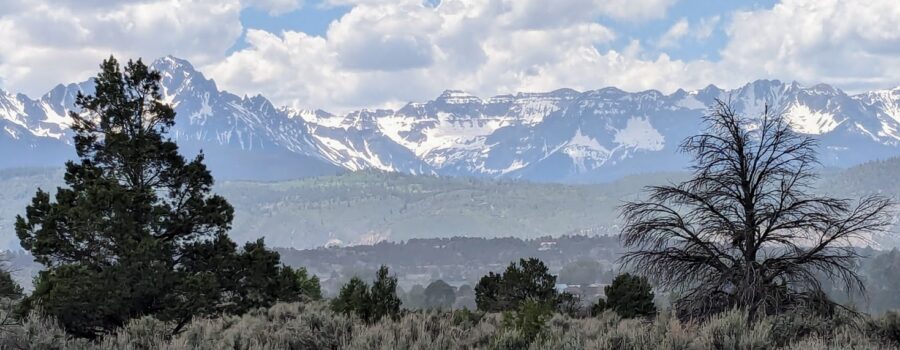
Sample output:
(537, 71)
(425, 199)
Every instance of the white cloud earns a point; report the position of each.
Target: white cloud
(541, 13)
(277, 7)
(384, 53)
(45, 42)
(672, 36)
(385, 37)
(635, 10)
(380, 54)
(683, 29)
(706, 27)
(851, 44)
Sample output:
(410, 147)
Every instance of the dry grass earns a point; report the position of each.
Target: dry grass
(314, 326)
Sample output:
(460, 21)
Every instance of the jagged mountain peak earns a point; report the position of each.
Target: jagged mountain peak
(560, 135)
(457, 97)
(173, 64)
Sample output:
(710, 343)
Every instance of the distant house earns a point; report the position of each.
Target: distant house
(547, 246)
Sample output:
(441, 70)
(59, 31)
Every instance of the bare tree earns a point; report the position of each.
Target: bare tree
(746, 230)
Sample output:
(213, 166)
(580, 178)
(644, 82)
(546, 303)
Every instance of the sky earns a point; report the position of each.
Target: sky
(340, 55)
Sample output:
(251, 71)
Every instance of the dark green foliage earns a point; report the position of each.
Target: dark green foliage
(489, 293)
(261, 280)
(569, 304)
(529, 279)
(353, 298)
(530, 318)
(136, 231)
(370, 304)
(258, 277)
(439, 295)
(8, 287)
(299, 284)
(467, 317)
(629, 296)
(383, 295)
(598, 307)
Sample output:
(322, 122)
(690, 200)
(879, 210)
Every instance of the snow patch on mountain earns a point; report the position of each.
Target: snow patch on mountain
(640, 134)
(452, 132)
(12, 109)
(395, 125)
(533, 109)
(586, 153)
(580, 139)
(807, 121)
(458, 97)
(690, 102)
(560, 135)
(61, 121)
(12, 133)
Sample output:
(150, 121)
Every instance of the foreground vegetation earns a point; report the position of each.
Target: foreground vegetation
(314, 326)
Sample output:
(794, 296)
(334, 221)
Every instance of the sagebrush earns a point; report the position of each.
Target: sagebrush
(314, 326)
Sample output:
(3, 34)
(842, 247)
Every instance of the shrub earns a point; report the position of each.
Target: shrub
(8, 287)
(439, 295)
(530, 318)
(629, 296)
(733, 330)
(313, 325)
(370, 304)
(529, 279)
(887, 327)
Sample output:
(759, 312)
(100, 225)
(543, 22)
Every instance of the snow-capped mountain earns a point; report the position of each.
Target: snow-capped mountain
(563, 135)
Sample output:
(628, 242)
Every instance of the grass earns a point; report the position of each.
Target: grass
(314, 326)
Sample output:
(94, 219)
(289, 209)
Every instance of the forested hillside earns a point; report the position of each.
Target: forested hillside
(367, 207)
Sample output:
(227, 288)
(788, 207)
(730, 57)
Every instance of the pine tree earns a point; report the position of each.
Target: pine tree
(369, 303)
(297, 285)
(629, 296)
(384, 300)
(8, 287)
(529, 279)
(353, 298)
(136, 230)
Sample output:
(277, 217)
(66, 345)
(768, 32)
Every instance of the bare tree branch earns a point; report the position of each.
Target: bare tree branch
(745, 230)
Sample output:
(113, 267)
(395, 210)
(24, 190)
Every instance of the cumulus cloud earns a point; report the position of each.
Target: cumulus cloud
(706, 27)
(672, 36)
(683, 29)
(45, 42)
(385, 37)
(277, 7)
(854, 45)
(635, 10)
(385, 53)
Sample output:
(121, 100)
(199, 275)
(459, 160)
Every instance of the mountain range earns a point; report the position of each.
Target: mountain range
(559, 136)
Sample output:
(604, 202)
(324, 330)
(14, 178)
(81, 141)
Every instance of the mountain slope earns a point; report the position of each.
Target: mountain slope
(559, 136)
(364, 207)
